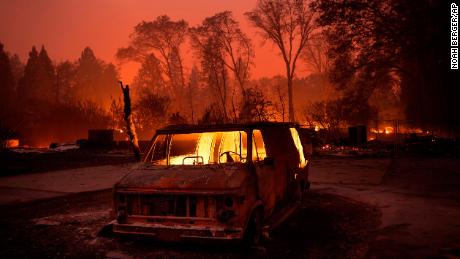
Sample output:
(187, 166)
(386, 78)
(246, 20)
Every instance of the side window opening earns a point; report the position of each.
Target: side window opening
(298, 145)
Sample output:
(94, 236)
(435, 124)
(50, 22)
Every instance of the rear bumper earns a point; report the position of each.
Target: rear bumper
(178, 232)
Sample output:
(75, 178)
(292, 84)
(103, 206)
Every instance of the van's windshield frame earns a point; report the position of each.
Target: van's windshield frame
(217, 142)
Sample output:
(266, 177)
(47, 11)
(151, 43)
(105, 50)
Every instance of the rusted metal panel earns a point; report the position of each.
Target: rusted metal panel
(213, 177)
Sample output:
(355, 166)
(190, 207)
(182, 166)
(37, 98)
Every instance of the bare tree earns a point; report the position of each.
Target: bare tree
(288, 24)
(150, 76)
(220, 39)
(163, 38)
(193, 85)
(281, 107)
(255, 107)
(236, 52)
(216, 76)
(130, 128)
(315, 54)
(315, 116)
(315, 57)
(151, 111)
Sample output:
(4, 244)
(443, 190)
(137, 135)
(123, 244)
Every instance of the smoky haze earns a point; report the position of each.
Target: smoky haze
(216, 61)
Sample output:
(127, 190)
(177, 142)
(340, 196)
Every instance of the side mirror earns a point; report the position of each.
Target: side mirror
(269, 161)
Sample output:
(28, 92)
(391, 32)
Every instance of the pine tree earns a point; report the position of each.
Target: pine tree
(6, 78)
(150, 76)
(25, 87)
(47, 83)
(17, 68)
(88, 69)
(95, 80)
(38, 82)
(108, 85)
(65, 82)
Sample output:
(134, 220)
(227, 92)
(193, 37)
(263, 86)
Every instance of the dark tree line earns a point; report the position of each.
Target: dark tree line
(43, 101)
(363, 56)
(397, 46)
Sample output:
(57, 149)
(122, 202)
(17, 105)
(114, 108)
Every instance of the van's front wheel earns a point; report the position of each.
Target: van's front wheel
(253, 232)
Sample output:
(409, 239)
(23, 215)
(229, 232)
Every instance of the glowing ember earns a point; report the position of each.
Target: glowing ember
(326, 147)
(388, 130)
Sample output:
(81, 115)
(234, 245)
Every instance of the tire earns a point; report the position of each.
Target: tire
(253, 231)
(301, 191)
(297, 191)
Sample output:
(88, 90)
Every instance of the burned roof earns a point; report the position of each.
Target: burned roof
(191, 128)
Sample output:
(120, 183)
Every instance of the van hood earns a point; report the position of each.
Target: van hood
(185, 178)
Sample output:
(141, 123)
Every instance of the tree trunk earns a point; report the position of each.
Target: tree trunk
(291, 102)
(130, 128)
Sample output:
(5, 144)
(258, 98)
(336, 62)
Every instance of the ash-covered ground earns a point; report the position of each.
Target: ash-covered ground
(405, 207)
(326, 225)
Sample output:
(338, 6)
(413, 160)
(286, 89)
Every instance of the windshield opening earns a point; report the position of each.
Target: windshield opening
(199, 148)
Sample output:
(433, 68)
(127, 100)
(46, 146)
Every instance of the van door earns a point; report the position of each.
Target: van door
(281, 148)
(265, 171)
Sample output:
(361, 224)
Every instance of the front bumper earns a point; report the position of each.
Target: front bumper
(178, 232)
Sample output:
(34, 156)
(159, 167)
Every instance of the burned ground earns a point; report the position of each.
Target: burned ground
(13, 163)
(326, 226)
(405, 207)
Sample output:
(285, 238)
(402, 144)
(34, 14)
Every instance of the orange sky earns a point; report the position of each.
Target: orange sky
(65, 27)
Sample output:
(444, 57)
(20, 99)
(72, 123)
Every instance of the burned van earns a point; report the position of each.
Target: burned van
(213, 182)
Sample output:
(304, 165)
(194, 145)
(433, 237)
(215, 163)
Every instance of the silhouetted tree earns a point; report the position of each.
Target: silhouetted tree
(231, 45)
(67, 122)
(163, 38)
(65, 82)
(130, 127)
(177, 119)
(88, 70)
(151, 111)
(116, 111)
(331, 120)
(211, 115)
(274, 90)
(280, 105)
(193, 91)
(37, 84)
(150, 76)
(6, 78)
(391, 44)
(255, 107)
(288, 24)
(7, 113)
(17, 68)
(47, 83)
(109, 79)
(95, 80)
(216, 76)
(46, 109)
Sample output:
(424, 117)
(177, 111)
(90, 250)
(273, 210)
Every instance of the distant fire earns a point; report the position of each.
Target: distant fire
(11, 143)
(391, 130)
(388, 130)
(384, 130)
